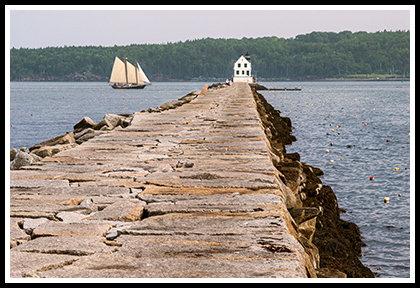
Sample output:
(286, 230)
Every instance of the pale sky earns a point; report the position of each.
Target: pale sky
(43, 26)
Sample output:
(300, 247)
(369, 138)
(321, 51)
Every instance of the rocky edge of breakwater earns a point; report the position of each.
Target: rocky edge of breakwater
(313, 205)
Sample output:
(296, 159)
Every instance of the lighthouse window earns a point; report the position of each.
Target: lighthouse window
(243, 72)
(247, 72)
(239, 65)
(245, 65)
(237, 72)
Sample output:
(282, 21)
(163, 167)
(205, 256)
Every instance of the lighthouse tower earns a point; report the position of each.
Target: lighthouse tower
(242, 69)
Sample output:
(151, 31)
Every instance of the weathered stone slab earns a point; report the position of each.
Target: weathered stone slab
(24, 264)
(36, 183)
(233, 203)
(71, 229)
(70, 217)
(30, 224)
(123, 210)
(17, 235)
(69, 245)
(259, 222)
(112, 266)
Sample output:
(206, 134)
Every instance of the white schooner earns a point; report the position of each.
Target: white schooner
(127, 76)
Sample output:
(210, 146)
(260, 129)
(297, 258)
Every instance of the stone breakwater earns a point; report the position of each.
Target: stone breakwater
(200, 187)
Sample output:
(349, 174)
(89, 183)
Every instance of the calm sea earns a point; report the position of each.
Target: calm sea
(358, 118)
(42, 110)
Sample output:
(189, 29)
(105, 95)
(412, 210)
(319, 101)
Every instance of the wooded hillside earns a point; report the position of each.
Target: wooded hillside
(313, 55)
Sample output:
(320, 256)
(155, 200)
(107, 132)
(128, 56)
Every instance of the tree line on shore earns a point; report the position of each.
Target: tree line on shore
(315, 55)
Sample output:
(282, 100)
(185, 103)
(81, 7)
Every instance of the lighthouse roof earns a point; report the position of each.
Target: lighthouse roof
(247, 56)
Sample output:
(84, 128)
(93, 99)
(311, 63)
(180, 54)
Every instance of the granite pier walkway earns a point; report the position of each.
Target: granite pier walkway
(187, 192)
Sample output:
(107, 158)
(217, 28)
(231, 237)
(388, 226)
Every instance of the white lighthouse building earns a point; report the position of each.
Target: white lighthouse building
(242, 69)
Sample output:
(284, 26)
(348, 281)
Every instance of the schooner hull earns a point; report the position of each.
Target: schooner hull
(128, 86)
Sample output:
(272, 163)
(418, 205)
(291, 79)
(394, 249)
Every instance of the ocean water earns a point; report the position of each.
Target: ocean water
(365, 127)
(42, 110)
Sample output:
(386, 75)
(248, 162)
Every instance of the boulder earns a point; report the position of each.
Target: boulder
(303, 214)
(13, 153)
(86, 134)
(48, 151)
(102, 123)
(329, 273)
(86, 122)
(204, 90)
(67, 138)
(123, 122)
(114, 119)
(21, 159)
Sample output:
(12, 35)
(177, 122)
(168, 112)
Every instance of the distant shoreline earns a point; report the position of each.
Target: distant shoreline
(78, 79)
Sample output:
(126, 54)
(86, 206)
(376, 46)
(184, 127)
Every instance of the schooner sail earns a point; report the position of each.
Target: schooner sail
(127, 76)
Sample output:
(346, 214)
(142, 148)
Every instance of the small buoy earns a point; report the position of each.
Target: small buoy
(331, 144)
(338, 126)
(125, 108)
(364, 124)
(387, 140)
(326, 150)
(371, 178)
(341, 158)
(399, 195)
(32, 114)
(338, 133)
(387, 199)
(332, 130)
(373, 108)
(329, 116)
(289, 110)
(396, 168)
(11, 125)
(355, 115)
(332, 160)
